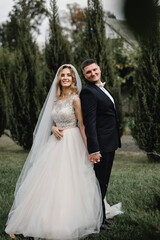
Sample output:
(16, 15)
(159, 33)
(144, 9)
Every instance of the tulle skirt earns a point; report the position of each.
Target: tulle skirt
(60, 198)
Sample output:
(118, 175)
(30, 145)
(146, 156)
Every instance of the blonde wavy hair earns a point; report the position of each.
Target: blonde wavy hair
(58, 84)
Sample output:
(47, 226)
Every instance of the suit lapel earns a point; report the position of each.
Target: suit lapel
(101, 91)
(113, 98)
(103, 94)
(109, 92)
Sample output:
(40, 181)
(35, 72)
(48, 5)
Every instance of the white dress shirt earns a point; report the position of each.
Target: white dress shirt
(101, 86)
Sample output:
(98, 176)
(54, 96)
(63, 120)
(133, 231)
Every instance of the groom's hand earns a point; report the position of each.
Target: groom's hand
(95, 157)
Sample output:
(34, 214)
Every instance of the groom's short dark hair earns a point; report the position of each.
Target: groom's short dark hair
(87, 62)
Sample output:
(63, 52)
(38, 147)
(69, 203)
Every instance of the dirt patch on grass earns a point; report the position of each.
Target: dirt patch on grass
(129, 146)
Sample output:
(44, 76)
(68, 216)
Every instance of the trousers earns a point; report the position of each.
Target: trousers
(103, 171)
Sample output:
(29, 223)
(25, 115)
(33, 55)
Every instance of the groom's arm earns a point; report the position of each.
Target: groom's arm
(89, 108)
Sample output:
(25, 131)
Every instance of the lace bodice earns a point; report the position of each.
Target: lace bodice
(63, 113)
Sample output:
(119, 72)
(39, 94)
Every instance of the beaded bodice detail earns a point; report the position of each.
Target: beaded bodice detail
(63, 113)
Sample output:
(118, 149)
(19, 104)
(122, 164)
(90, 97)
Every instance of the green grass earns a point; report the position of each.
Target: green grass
(134, 181)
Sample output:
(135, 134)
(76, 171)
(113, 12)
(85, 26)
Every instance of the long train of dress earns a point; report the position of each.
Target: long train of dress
(60, 198)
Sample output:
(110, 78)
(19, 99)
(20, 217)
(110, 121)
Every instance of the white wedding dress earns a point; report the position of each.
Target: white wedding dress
(60, 198)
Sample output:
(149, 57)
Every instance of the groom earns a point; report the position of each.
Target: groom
(99, 116)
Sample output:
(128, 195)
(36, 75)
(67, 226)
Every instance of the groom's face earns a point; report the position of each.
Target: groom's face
(92, 73)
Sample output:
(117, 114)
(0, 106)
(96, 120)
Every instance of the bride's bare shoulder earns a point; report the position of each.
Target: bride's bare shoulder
(76, 100)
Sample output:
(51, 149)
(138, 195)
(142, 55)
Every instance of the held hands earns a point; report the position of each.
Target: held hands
(95, 158)
(57, 132)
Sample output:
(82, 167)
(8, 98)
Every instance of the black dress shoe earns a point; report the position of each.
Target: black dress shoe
(109, 221)
(105, 228)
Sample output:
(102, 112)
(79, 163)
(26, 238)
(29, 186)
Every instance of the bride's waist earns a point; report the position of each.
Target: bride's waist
(67, 127)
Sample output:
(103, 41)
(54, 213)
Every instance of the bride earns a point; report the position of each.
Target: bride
(57, 195)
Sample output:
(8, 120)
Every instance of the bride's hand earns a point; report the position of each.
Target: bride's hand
(57, 132)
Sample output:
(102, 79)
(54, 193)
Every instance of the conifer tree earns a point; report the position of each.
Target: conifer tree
(146, 126)
(5, 62)
(94, 45)
(25, 76)
(57, 49)
(3, 117)
(24, 98)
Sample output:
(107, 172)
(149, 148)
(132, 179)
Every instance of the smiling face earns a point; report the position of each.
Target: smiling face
(66, 77)
(92, 73)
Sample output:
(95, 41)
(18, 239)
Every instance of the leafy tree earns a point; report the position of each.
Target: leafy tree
(77, 18)
(34, 12)
(125, 58)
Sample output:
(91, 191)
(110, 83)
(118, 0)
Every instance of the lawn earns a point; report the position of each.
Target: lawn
(134, 181)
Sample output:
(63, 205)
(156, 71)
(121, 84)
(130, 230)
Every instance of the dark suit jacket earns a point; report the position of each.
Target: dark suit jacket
(99, 116)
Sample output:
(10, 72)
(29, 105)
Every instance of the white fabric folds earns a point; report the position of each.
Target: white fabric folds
(60, 198)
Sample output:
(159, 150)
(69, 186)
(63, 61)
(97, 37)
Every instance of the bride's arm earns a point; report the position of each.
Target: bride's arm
(78, 113)
(57, 131)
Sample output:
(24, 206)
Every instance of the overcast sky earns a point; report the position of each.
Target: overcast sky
(114, 6)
